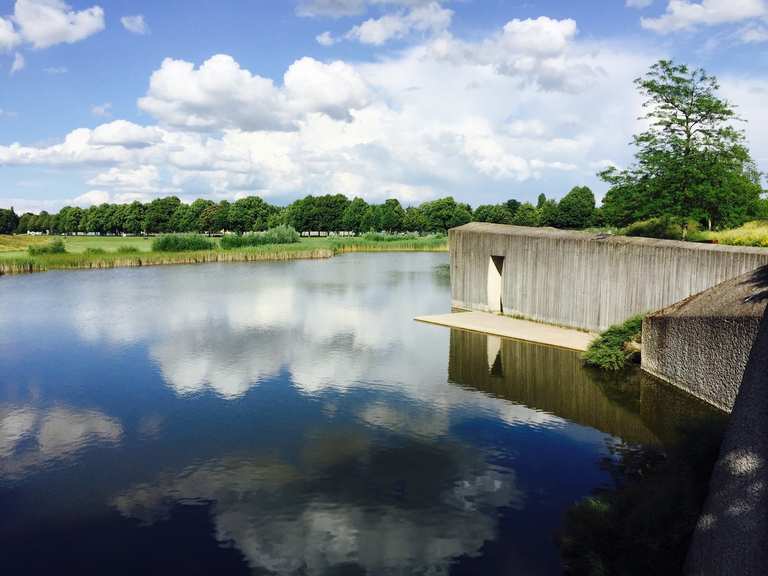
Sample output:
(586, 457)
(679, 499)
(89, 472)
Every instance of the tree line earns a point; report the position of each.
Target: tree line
(329, 213)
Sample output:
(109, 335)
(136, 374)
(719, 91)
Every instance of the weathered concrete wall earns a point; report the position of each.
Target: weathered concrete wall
(703, 343)
(732, 533)
(583, 280)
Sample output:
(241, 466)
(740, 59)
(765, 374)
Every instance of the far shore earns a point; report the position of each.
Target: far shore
(101, 252)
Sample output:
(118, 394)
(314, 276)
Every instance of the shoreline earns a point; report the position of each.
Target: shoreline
(279, 252)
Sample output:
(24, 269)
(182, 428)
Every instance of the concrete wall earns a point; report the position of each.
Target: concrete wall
(703, 343)
(732, 532)
(583, 280)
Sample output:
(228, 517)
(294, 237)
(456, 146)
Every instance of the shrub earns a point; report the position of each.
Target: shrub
(610, 350)
(279, 235)
(127, 249)
(750, 234)
(95, 251)
(663, 227)
(181, 243)
(55, 247)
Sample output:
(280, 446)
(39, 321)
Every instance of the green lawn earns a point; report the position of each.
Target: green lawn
(16, 259)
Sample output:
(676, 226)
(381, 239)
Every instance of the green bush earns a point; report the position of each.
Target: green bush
(181, 243)
(609, 351)
(279, 235)
(663, 227)
(55, 247)
(383, 237)
(95, 251)
(127, 249)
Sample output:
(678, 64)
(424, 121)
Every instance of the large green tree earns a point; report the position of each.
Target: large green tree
(8, 221)
(576, 209)
(692, 161)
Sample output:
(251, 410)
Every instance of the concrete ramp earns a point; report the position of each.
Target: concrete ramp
(513, 328)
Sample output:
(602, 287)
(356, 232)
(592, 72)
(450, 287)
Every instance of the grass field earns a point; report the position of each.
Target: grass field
(14, 258)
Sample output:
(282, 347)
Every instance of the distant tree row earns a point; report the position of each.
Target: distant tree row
(330, 213)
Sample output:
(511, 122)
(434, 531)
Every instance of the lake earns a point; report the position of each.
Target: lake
(292, 418)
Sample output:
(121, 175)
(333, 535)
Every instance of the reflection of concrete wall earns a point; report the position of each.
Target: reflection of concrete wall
(585, 281)
(702, 344)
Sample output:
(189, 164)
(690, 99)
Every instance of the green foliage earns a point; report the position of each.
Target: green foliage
(498, 213)
(609, 351)
(95, 251)
(644, 526)
(278, 235)
(662, 227)
(54, 247)
(577, 209)
(548, 213)
(181, 243)
(8, 221)
(526, 215)
(691, 162)
(444, 214)
(127, 250)
(354, 213)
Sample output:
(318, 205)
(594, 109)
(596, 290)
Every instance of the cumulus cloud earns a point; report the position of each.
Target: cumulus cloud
(126, 134)
(135, 24)
(326, 39)
(44, 23)
(685, 14)
(430, 18)
(220, 94)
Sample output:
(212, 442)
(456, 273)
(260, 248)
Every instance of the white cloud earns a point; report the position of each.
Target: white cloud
(685, 14)
(138, 179)
(92, 198)
(126, 134)
(753, 34)
(638, 3)
(326, 39)
(102, 109)
(430, 18)
(135, 24)
(44, 23)
(220, 94)
(9, 38)
(18, 63)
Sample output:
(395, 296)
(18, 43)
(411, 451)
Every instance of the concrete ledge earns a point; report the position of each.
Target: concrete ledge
(513, 328)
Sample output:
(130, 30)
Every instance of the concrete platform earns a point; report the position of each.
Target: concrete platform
(513, 328)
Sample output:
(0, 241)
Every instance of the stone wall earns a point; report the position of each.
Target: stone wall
(584, 280)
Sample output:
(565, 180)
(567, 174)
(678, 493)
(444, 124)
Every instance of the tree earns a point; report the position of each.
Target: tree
(391, 216)
(526, 215)
(541, 200)
(576, 209)
(512, 205)
(445, 213)
(8, 221)
(691, 161)
(414, 220)
(352, 218)
(157, 214)
(498, 214)
(548, 213)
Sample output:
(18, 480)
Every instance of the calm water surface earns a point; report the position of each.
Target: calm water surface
(291, 418)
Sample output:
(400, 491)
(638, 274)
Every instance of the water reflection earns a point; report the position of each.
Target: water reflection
(31, 438)
(386, 510)
(290, 418)
(632, 406)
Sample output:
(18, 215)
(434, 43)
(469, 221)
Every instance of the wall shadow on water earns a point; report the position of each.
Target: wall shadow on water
(630, 405)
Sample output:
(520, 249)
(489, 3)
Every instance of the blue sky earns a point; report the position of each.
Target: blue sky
(415, 99)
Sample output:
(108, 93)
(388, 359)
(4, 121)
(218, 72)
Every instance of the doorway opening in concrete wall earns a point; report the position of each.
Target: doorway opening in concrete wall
(495, 269)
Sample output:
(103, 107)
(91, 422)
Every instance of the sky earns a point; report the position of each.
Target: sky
(484, 100)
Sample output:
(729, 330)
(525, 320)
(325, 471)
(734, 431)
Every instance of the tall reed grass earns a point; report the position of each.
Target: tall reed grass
(278, 235)
(181, 243)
